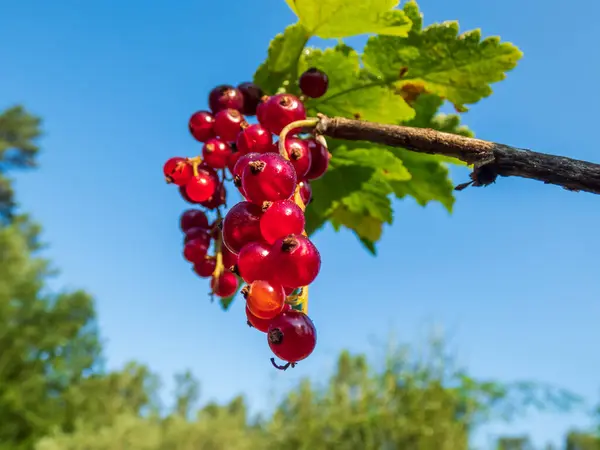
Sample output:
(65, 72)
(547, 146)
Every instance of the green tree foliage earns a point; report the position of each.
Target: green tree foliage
(50, 353)
(403, 76)
(412, 401)
(18, 131)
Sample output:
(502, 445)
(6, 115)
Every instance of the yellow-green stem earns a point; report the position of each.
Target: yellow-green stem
(311, 122)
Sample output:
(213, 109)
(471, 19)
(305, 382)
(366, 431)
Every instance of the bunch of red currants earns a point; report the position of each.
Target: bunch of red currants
(261, 239)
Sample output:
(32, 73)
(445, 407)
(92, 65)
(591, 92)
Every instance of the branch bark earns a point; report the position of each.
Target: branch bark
(489, 158)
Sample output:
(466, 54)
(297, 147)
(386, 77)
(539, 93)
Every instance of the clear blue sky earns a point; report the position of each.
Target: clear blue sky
(512, 275)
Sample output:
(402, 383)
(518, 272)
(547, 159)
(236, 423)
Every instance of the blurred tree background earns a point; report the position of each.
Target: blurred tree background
(55, 393)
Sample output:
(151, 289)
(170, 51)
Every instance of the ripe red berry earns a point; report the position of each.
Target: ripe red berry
(252, 95)
(233, 157)
(280, 110)
(299, 154)
(201, 125)
(320, 159)
(205, 267)
(295, 261)
(254, 138)
(191, 218)
(305, 192)
(313, 83)
(185, 196)
(201, 187)
(262, 324)
(223, 97)
(195, 250)
(198, 233)
(268, 178)
(251, 264)
(264, 299)
(239, 167)
(261, 109)
(178, 171)
(228, 124)
(241, 226)
(292, 336)
(225, 285)
(229, 259)
(217, 199)
(215, 153)
(281, 219)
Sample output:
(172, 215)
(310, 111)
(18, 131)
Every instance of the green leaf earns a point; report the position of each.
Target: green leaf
(280, 67)
(342, 18)
(429, 182)
(370, 246)
(457, 67)
(355, 191)
(351, 93)
(226, 302)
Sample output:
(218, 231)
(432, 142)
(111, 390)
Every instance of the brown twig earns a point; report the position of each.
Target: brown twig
(488, 158)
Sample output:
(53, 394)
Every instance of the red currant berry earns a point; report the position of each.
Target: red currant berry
(185, 196)
(252, 95)
(269, 178)
(205, 267)
(178, 171)
(280, 110)
(239, 167)
(295, 261)
(292, 336)
(281, 219)
(215, 153)
(241, 226)
(225, 286)
(198, 233)
(254, 138)
(251, 263)
(262, 324)
(191, 218)
(195, 250)
(228, 124)
(223, 97)
(201, 125)
(233, 157)
(305, 192)
(202, 186)
(217, 199)
(229, 259)
(313, 83)
(299, 154)
(264, 299)
(261, 109)
(320, 159)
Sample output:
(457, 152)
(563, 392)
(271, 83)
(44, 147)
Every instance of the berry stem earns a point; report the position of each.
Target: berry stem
(219, 267)
(302, 298)
(310, 122)
(195, 162)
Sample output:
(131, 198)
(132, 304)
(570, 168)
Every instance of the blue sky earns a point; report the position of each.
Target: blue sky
(511, 275)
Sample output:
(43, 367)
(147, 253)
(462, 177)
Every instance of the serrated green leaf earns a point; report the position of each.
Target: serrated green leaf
(457, 67)
(370, 246)
(280, 67)
(226, 302)
(355, 191)
(365, 227)
(383, 161)
(351, 93)
(342, 18)
(429, 182)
